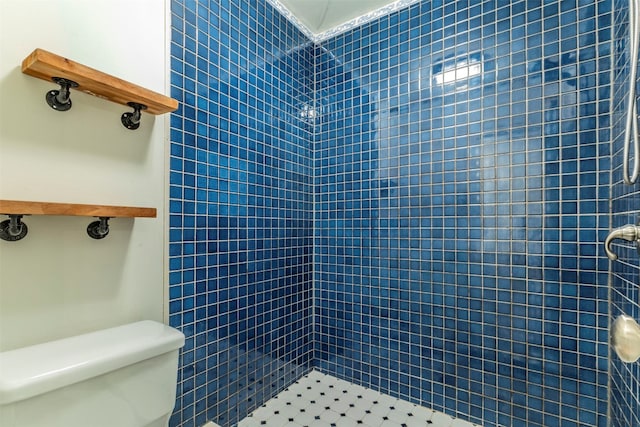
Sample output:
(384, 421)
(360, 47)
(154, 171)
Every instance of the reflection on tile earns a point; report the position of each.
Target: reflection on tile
(320, 400)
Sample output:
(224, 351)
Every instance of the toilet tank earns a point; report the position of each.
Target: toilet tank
(123, 376)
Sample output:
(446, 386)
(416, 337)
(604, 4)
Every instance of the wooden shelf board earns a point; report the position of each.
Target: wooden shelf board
(70, 209)
(46, 65)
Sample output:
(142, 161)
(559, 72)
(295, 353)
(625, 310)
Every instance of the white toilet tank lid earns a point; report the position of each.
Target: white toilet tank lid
(30, 371)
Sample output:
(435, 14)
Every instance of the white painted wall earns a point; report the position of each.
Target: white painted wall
(58, 282)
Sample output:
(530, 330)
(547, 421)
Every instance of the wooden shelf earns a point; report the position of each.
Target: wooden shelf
(46, 65)
(14, 207)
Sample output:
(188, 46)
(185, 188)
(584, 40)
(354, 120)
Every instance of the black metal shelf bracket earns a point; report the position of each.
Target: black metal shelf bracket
(99, 229)
(60, 100)
(132, 120)
(13, 229)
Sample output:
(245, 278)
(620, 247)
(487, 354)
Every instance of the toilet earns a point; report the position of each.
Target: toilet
(123, 376)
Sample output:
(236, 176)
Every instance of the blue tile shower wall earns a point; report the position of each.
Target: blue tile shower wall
(625, 208)
(461, 194)
(240, 252)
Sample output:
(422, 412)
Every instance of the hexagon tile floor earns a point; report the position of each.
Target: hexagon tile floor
(319, 400)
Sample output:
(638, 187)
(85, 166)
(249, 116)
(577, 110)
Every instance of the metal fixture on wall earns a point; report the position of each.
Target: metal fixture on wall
(132, 120)
(630, 233)
(625, 338)
(13, 229)
(99, 229)
(60, 100)
(631, 126)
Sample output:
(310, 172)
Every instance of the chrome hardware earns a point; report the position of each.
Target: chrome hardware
(630, 233)
(631, 126)
(625, 338)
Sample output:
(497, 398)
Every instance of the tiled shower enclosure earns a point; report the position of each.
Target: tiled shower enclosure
(415, 206)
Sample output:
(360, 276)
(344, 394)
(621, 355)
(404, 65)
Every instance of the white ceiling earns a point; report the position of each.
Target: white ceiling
(325, 17)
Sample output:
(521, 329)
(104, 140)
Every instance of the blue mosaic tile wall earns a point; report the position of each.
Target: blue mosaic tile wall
(625, 207)
(462, 177)
(241, 196)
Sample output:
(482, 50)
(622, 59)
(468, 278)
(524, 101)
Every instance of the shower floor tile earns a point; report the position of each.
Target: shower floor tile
(320, 400)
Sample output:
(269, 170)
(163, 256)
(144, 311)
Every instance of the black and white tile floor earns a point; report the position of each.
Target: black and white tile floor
(319, 400)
